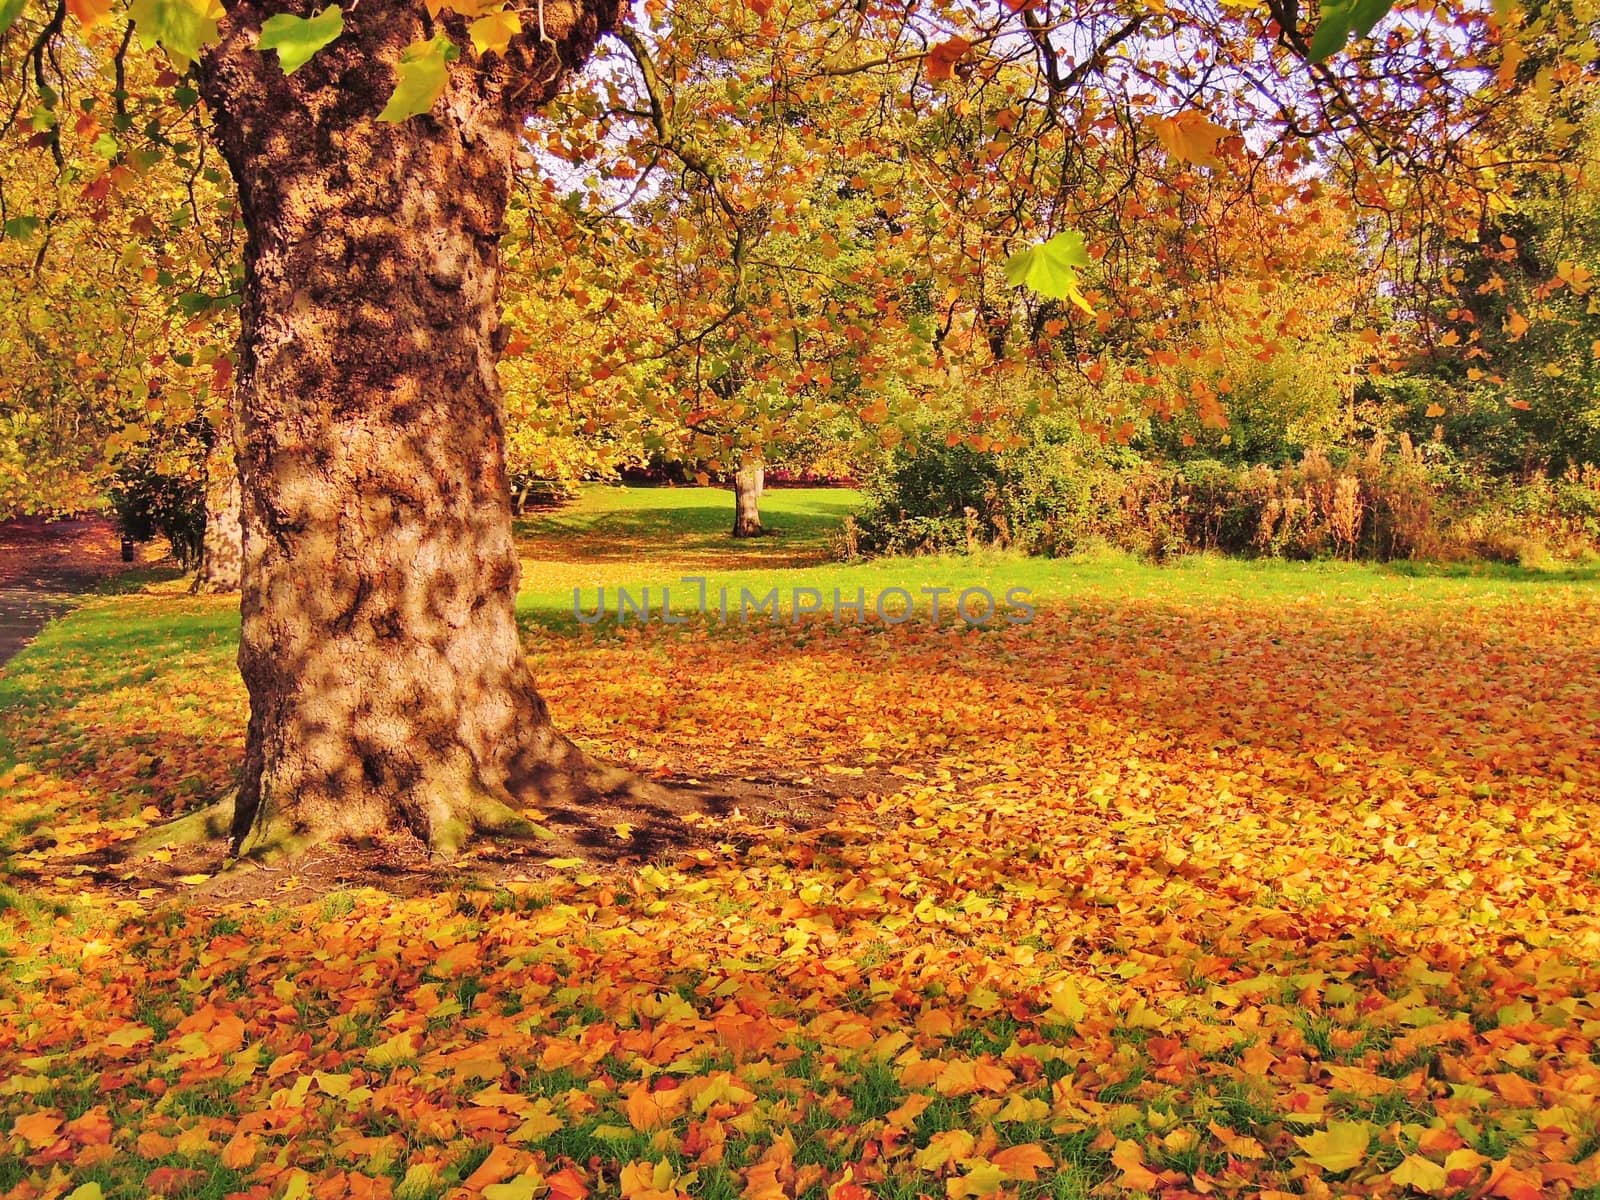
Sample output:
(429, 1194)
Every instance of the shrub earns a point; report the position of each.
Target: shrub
(1061, 493)
(150, 502)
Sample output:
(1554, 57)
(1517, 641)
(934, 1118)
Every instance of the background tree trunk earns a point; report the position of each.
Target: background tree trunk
(222, 550)
(388, 688)
(748, 482)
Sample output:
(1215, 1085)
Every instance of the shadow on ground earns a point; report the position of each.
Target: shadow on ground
(614, 836)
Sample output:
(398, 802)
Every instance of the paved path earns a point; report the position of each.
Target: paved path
(23, 612)
(44, 567)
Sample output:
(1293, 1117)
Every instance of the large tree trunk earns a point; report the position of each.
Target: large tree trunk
(222, 550)
(388, 688)
(748, 483)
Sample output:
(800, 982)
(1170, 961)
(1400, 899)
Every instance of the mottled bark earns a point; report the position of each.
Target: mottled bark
(388, 689)
(748, 482)
(222, 548)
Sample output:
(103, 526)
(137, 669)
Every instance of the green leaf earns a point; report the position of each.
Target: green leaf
(1051, 268)
(180, 27)
(423, 69)
(1341, 19)
(22, 228)
(296, 39)
(10, 10)
(1367, 13)
(1333, 31)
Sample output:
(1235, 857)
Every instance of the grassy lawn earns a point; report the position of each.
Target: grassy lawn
(1219, 878)
(651, 538)
(686, 523)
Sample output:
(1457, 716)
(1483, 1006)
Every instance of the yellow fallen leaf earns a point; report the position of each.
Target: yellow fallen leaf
(1128, 1157)
(524, 1187)
(945, 1148)
(1342, 1146)
(983, 1179)
(1420, 1173)
(400, 1048)
(37, 1129)
(1022, 1162)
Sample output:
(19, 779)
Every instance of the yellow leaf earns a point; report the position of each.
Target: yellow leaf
(86, 1191)
(644, 1114)
(1128, 1157)
(1237, 1144)
(907, 1113)
(421, 1179)
(1465, 1159)
(1420, 1173)
(501, 1164)
(541, 1123)
(984, 1179)
(1024, 1108)
(400, 1048)
(1022, 1162)
(494, 32)
(1065, 1002)
(1435, 410)
(1340, 1147)
(1575, 276)
(37, 1129)
(957, 1078)
(1189, 136)
(240, 1151)
(333, 1085)
(524, 1187)
(719, 1088)
(647, 1181)
(90, 12)
(944, 1148)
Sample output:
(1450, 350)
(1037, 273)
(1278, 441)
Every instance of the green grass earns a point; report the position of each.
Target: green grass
(611, 522)
(106, 645)
(650, 538)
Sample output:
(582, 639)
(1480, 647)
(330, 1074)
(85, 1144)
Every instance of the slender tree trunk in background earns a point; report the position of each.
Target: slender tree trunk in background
(388, 688)
(748, 482)
(222, 551)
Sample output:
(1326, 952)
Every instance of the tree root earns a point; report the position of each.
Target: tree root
(565, 777)
(558, 778)
(192, 829)
(483, 814)
(272, 841)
